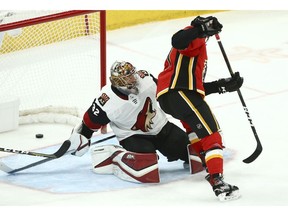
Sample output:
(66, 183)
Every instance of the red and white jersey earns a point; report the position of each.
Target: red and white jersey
(128, 115)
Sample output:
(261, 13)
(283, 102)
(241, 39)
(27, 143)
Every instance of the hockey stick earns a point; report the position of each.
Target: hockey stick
(61, 151)
(259, 147)
(9, 170)
(5, 168)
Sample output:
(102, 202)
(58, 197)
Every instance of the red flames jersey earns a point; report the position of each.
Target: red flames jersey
(184, 69)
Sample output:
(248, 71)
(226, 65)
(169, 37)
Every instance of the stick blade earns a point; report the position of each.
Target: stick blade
(254, 155)
(5, 168)
(63, 149)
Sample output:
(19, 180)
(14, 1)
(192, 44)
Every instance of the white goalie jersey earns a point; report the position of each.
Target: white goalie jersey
(132, 114)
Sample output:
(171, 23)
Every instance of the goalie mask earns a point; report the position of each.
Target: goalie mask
(123, 77)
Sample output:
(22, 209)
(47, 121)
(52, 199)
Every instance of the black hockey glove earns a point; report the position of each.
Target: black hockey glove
(209, 26)
(230, 84)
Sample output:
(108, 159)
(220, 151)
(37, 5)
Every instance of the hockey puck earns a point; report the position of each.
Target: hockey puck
(39, 135)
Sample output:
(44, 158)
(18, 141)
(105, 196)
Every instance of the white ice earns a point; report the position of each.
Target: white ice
(257, 46)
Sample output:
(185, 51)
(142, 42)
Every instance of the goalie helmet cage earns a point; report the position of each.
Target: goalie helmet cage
(53, 61)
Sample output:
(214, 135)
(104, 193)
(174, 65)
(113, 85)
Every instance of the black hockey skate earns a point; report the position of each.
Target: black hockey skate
(221, 189)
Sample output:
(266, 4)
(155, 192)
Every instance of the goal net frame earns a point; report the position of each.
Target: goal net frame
(60, 114)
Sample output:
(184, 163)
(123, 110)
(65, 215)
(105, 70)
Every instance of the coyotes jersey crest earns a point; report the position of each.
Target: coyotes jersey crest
(144, 119)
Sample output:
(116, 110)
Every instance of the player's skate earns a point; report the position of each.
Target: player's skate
(221, 189)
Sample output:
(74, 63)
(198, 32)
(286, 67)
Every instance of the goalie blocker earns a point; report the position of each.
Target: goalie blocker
(128, 166)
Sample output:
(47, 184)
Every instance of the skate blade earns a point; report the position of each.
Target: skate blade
(228, 197)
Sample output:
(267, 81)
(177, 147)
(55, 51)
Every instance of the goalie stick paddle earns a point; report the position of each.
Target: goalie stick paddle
(61, 151)
(259, 147)
(9, 170)
(5, 168)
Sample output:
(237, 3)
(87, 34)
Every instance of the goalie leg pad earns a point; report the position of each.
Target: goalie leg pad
(196, 159)
(102, 158)
(137, 167)
(196, 154)
(126, 165)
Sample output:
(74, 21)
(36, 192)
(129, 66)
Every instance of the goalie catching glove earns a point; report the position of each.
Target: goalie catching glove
(209, 26)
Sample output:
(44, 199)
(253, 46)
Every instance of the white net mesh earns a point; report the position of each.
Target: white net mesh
(51, 64)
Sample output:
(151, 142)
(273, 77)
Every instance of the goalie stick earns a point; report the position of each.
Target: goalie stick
(259, 147)
(61, 151)
(9, 170)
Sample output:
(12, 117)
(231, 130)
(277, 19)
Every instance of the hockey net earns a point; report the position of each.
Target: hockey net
(53, 61)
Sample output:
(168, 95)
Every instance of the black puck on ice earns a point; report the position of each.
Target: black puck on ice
(39, 135)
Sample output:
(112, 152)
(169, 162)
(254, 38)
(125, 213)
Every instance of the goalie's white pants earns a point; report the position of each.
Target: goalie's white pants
(129, 166)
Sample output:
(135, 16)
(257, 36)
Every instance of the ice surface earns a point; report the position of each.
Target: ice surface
(257, 46)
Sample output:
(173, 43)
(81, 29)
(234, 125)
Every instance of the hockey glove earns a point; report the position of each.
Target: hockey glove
(230, 84)
(79, 143)
(209, 26)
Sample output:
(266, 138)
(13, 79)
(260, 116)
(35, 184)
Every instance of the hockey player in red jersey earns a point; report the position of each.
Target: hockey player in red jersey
(181, 91)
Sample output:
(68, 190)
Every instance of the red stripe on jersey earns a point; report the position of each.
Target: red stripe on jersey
(89, 123)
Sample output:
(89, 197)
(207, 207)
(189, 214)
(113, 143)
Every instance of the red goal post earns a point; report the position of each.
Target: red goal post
(53, 61)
